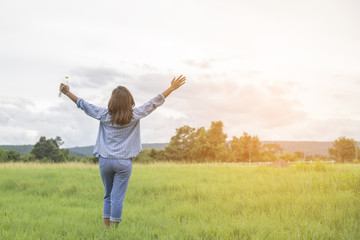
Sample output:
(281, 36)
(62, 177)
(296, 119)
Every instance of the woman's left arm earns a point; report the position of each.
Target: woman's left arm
(89, 109)
(148, 107)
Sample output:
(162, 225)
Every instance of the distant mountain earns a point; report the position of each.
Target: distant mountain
(22, 149)
(81, 151)
(157, 146)
(308, 147)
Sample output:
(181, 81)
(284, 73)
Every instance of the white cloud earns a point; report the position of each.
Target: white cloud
(257, 66)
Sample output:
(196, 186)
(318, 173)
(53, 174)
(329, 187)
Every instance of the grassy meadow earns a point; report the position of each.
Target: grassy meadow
(183, 201)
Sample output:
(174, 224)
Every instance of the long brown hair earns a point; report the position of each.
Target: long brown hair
(121, 106)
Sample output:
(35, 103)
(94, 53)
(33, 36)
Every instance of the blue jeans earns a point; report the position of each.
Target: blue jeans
(115, 175)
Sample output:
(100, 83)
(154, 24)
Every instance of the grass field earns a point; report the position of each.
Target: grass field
(169, 201)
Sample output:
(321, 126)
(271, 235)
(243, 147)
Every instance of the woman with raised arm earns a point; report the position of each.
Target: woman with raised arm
(118, 141)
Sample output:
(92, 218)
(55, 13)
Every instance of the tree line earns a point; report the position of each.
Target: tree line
(45, 151)
(195, 145)
(210, 145)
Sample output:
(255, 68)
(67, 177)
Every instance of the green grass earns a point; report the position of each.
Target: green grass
(169, 201)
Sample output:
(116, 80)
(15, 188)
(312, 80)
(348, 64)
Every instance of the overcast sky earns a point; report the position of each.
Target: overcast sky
(281, 70)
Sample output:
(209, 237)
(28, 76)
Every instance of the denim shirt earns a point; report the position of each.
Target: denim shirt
(119, 141)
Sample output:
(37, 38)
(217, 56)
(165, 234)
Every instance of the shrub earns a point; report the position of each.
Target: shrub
(145, 156)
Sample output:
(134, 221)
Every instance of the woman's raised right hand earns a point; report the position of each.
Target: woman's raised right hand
(178, 82)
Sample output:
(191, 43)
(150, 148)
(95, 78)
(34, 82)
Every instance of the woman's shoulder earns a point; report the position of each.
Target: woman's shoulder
(106, 119)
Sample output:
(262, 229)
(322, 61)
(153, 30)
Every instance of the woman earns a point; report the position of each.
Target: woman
(118, 141)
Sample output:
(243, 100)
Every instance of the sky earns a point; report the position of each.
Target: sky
(280, 70)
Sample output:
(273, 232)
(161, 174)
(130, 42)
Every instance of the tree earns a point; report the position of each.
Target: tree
(3, 155)
(7, 156)
(215, 133)
(290, 157)
(28, 158)
(299, 155)
(269, 151)
(245, 148)
(180, 145)
(343, 149)
(201, 148)
(13, 155)
(49, 149)
(216, 138)
(197, 144)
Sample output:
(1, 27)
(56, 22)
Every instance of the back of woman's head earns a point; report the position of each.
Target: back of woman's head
(121, 106)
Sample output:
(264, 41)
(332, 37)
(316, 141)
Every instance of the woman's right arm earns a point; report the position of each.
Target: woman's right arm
(150, 106)
(175, 84)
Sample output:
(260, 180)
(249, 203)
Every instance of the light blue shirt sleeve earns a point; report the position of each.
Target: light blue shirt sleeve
(91, 110)
(148, 107)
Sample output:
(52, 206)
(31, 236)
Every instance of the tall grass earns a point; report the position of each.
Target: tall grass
(169, 201)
